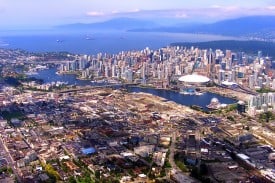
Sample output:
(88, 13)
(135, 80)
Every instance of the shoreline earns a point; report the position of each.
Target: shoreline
(194, 107)
(236, 95)
(180, 107)
(203, 89)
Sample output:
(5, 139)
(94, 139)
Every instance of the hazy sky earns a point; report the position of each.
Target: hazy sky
(43, 13)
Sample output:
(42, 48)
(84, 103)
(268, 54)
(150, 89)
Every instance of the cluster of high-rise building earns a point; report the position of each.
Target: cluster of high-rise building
(80, 63)
(162, 68)
(262, 102)
(167, 64)
(107, 135)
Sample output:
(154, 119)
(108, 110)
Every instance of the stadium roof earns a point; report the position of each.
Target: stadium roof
(194, 78)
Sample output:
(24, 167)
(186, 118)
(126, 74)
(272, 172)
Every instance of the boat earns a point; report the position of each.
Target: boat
(4, 44)
(199, 93)
(184, 93)
(112, 81)
(41, 67)
(102, 81)
(188, 91)
(88, 38)
(31, 73)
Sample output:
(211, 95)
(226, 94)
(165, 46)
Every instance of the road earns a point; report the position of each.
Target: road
(9, 159)
(85, 88)
(182, 178)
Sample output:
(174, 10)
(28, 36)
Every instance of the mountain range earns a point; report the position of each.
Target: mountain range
(252, 26)
(232, 27)
(113, 24)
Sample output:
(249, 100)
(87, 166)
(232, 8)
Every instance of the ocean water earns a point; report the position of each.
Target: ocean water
(95, 42)
(110, 42)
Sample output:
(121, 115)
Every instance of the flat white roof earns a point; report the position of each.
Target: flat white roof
(228, 83)
(194, 78)
(243, 156)
(142, 175)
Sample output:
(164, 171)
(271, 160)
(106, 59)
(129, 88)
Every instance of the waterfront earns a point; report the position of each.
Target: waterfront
(49, 75)
(187, 100)
(105, 42)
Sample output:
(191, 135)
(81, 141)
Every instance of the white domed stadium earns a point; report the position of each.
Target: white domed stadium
(194, 78)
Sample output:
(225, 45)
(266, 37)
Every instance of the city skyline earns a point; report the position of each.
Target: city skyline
(137, 91)
(41, 14)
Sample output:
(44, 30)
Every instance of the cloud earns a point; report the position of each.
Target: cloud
(112, 13)
(230, 8)
(134, 10)
(215, 6)
(95, 13)
(115, 12)
(271, 8)
(212, 13)
(181, 15)
(126, 12)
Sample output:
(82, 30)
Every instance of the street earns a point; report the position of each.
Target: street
(9, 159)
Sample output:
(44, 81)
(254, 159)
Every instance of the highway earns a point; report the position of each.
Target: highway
(85, 88)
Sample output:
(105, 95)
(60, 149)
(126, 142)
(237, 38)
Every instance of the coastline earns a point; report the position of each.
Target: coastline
(179, 107)
(179, 98)
(236, 95)
(228, 93)
(185, 100)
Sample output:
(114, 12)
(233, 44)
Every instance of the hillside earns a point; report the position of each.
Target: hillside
(254, 26)
(113, 24)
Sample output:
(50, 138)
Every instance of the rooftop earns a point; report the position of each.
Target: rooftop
(194, 78)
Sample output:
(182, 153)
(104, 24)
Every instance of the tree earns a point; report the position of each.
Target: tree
(230, 118)
(51, 172)
(10, 170)
(266, 116)
(203, 169)
(72, 180)
(195, 172)
(97, 174)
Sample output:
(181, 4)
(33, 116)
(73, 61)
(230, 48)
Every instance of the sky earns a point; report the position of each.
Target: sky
(46, 13)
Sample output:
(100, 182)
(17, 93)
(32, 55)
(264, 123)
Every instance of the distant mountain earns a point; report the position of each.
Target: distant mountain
(239, 26)
(255, 27)
(113, 24)
(245, 26)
